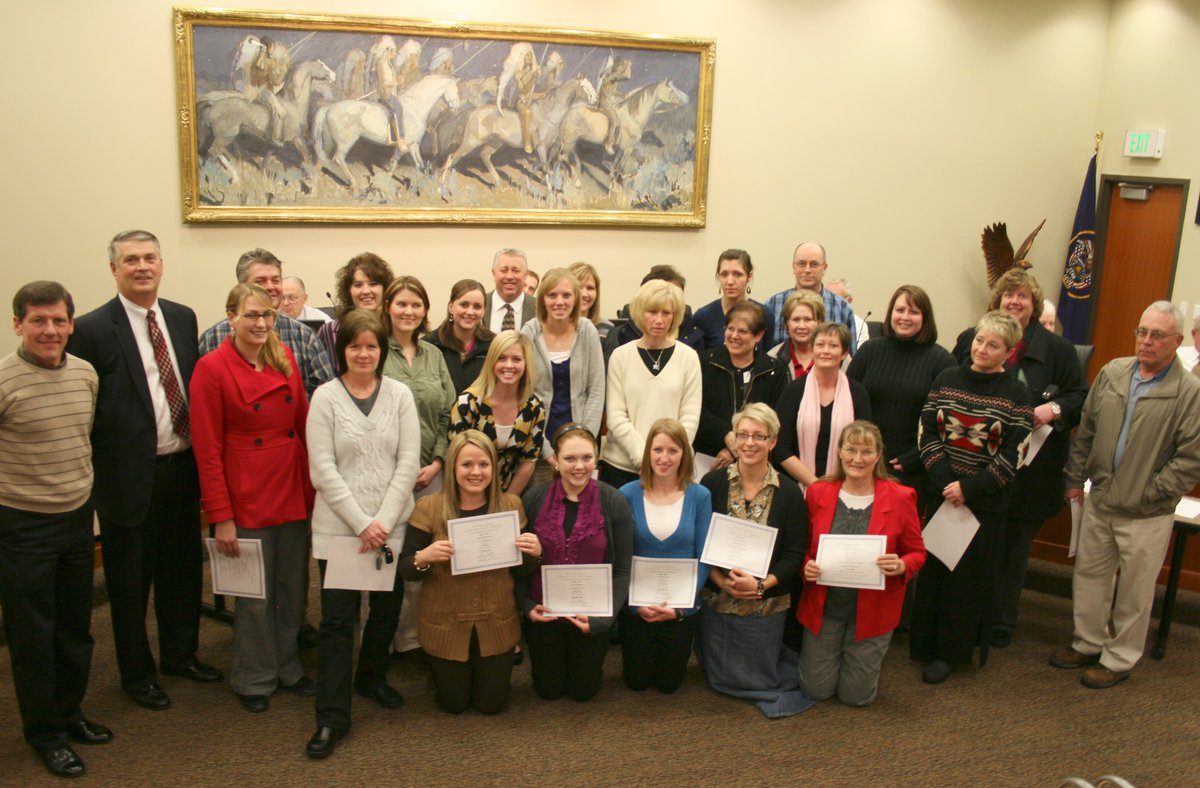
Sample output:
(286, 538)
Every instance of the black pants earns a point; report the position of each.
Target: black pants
(656, 655)
(614, 476)
(565, 661)
(1018, 542)
(480, 682)
(335, 650)
(46, 565)
(162, 551)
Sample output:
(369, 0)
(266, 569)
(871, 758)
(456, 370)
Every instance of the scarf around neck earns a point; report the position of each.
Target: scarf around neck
(808, 421)
(549, 523)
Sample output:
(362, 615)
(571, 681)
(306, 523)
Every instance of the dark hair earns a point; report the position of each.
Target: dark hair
(42, 293)
(741, 255)
(920, 299)
(666, 273)
(751, 312)
(405, 282)
(354, 323)
(446, 333)
(371, 264)
(256, 255)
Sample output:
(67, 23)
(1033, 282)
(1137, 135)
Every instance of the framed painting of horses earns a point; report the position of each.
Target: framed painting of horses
(296, 118)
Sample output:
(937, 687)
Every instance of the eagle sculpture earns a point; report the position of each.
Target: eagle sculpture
(998, 251)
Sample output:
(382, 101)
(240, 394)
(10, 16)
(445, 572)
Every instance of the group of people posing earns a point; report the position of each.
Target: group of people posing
(609, 440)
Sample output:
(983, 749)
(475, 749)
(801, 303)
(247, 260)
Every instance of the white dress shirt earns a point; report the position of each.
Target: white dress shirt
(168, 441)
(496, 319)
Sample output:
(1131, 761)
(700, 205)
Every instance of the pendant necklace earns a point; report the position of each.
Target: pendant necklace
(657, 361)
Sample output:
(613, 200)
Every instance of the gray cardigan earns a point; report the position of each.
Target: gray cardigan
(587, 373)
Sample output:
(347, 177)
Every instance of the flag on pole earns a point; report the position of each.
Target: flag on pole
(1075, 300)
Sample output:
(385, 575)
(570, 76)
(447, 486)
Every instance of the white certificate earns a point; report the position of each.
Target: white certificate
(949, 533)
(488, 541)
(1076, 521)
(1037, 439)
(347, 568)
(1188, 508)
(241, 576)
(670, 582)
(577, 590)
(739, 544)
(702, 464)
(848, 560)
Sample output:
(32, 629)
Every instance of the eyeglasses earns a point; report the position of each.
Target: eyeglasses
(291, 299)
(1157, 336)
(254, 317)
(751, 437)
(807, 264)
(857, 454)
(385, 554)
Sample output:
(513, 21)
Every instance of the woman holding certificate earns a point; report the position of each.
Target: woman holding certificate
(468, 621)
(501, 404)
(652, 378)
(743, 615)
(364, 451)
(849, 623)
(814, 409)
(248, 413)
(578, 520)
(670, 521)
(973, 428)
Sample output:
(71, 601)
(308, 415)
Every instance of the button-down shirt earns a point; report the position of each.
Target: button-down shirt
(496, 318)
(1137, 388)
(315, 365)
(167, 441)
(836, 309)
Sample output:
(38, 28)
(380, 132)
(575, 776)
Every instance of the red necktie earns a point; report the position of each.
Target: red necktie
(166, 373)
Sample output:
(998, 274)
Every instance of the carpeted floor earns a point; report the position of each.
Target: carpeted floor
(1015, 722)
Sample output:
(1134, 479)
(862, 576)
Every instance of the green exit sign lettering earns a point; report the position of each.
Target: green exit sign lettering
(1145, 143)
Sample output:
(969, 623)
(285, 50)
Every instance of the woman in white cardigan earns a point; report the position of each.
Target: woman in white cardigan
(364, 444)
(654, 377)
(569, 361)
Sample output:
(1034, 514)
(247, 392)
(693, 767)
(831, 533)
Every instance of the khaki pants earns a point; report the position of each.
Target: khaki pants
(1136, 546)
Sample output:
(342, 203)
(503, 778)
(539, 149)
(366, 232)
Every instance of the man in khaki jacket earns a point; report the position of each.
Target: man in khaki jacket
(1139, 443)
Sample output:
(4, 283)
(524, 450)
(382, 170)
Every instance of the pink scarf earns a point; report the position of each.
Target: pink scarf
(808, 421)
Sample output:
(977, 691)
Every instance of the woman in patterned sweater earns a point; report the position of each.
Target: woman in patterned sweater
(974, 427)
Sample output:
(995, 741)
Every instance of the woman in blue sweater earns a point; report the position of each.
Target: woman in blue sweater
(670, 520)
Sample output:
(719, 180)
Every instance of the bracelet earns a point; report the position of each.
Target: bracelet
(678, 614)
(761, 589)
(417, 565)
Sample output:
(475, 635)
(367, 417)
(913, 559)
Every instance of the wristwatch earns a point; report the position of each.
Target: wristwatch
(1056, 409)
(761, 589)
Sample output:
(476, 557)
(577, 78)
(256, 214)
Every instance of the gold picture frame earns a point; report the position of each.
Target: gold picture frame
(438, 122)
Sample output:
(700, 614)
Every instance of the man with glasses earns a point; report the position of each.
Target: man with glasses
(294, 302)
(147, 489)
(1139, 443)
(808, 267)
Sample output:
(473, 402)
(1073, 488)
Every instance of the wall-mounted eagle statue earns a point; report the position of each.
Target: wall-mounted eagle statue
(998, 251)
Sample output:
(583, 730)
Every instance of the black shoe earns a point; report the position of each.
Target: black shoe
(254, 703)
(304, 687)
(149, 696)
(1001, 638)
(62, 762)
(518, 656)
(84, 732)
(383, 694)
(322, 742)
(308, 636)
(936, 672)
(195, 671)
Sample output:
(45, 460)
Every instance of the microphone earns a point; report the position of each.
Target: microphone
(329, 295)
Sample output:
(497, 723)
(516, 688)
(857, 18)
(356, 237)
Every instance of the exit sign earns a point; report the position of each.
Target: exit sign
(1145, 143)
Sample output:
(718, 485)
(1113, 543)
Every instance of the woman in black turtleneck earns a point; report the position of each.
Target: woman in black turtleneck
(898, 369)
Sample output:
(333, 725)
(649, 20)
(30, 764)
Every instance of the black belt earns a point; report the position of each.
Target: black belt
(179, 456)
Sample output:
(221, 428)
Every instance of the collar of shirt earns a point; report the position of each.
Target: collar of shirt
(139, 312)
(518, 304)
(1138, 380)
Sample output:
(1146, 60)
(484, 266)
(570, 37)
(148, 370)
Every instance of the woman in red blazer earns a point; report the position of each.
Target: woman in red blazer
(248, 412)
(849, 629)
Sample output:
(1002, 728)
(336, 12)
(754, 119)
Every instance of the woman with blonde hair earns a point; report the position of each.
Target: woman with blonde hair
(802, 313)
(651, 378)
(468, 624)
(248, 416)
(848, 630)
(501, 404)
(589, 306)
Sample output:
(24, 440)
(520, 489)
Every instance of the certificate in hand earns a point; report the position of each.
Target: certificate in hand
(848, 561)
(663, 581)
(488, 541)
(577, 590)
(739, 544)
(949, 533)
(350, 569)
(241, 576)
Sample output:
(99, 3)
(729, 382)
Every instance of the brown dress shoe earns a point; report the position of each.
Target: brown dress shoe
(1069, 659)
(1101, 677)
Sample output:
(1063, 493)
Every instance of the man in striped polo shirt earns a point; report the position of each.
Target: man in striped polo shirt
(47, 401)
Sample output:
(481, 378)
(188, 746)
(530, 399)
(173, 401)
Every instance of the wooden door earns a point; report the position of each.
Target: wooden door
(1138, 250)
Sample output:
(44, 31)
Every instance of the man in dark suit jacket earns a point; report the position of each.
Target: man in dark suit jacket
(147, 491)
(509, 267)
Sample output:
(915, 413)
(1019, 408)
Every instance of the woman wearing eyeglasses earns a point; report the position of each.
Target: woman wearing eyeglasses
(742, 617)
(364, 451)
(848, 630)
(248, 413)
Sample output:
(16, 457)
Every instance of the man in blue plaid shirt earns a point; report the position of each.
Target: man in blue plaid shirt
(808, 266)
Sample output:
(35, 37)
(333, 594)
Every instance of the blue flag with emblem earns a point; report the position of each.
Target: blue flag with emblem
(1075, 300)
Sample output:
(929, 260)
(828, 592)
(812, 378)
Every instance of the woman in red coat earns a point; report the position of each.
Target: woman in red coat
(248, 413)
(848, 629)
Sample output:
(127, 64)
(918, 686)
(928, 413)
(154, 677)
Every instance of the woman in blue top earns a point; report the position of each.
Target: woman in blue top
(670, 520)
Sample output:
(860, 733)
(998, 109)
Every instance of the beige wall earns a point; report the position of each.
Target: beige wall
(890, 131)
